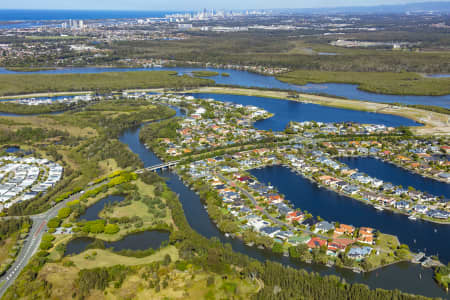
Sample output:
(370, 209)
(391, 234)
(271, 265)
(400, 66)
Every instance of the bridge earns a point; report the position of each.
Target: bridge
(160, 166)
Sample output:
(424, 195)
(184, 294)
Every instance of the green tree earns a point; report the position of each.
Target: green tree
(111, 229)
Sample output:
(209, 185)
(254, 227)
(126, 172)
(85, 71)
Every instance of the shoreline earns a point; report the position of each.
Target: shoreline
(434, 123)
(239, 236)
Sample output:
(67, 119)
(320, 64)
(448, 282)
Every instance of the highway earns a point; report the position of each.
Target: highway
(33, 240)
(39, 227)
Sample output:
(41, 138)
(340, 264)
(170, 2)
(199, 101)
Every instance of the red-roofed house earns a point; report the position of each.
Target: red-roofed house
(316, 242)
(339, 244)
(294, 216)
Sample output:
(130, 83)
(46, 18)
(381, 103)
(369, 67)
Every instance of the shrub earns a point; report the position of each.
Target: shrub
(53, 223)
(48, 238)
(111, 229)
(64, 212)
(45, 245)
(181, 265)
(42, 253)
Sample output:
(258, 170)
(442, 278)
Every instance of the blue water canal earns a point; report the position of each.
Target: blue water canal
(418, 235)
(396, 175)
(248, 79)
(136, 241)
(403, 276)
(92, 213)
(285, 111)
(318, 201)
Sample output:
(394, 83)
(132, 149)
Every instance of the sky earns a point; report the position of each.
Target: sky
(152, 5)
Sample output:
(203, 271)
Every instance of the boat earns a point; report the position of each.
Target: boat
(377, 207)
(412, 217)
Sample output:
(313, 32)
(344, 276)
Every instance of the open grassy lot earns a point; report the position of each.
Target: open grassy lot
(376, 82)
(45, 122)
(385, 243)
(193, 285)
(13, 84)
(105, 258)
(151, 215)
(139, 281)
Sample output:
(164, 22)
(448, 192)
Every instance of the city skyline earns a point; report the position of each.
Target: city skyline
(180, 5)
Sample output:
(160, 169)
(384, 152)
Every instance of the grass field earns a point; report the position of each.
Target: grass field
(188, 284)
(138, 209)
(105, 258)
(46, 122)
(386, 243)
(376, 82)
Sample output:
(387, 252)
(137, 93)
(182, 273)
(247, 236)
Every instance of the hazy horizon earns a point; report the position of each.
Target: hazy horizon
(180, 5)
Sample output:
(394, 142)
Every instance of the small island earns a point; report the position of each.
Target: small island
(205, 73)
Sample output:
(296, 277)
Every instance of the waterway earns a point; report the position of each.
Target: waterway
(418, 235)
(12, 149)
(248, 79)
(403, 276)
(93, 211)
(287, 110)
(136, 241)
(398, 176)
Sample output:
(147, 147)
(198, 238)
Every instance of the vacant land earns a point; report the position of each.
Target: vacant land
(152, 277)
(96, 258)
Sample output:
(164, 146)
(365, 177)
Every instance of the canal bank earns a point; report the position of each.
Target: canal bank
(253, 80)
(389, 172)
(407, 277)
(434, 123)
(420, 236)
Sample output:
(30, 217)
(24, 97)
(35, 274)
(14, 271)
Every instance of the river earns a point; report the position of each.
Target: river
(319, 201)
(398, 176)
(287, 110)
(403, 276)
(248, 79)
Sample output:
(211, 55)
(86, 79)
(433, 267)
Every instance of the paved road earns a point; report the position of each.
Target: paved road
(33, 240)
